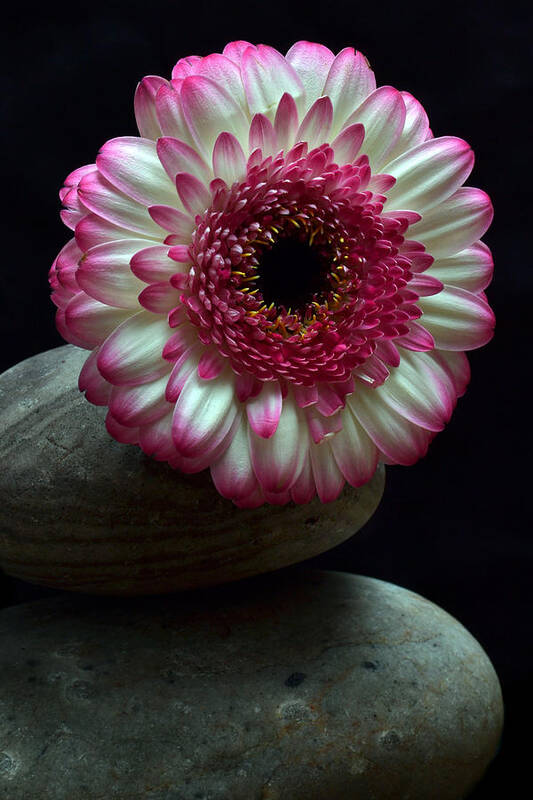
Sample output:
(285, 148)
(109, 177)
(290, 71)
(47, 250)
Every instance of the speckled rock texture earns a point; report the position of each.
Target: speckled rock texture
(301, 685)
(80, 511)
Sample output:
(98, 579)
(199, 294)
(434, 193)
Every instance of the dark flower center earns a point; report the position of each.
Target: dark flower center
(291, 274)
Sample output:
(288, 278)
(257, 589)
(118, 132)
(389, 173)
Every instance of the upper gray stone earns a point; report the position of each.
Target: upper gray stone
(80, 511)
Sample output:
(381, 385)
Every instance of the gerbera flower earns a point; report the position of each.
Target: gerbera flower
(277, 279)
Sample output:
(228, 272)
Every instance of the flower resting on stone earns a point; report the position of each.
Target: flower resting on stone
(279, 277)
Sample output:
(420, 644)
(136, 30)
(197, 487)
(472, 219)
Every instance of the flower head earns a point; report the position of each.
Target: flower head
(277, 279)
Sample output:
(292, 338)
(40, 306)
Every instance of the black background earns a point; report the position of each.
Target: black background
(455, 526)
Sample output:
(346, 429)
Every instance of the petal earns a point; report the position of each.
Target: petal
(381, 184)
(316, 124)
(186, 364)
(420, 390)
(132, 353)
(387, 352)
(383, 115)
(372, 371)
(470, 269)
(235, 50)
(133, 406)
(177, 156)
(159, 298)
(321, 427)
(155, 438)
(93, 230)
(262, 135)
(101, 197)
(278, 461)
(454, 224)
(429, 173)
(210, 453)
(90, 321)
(267, 75)
(120, 432)
(304, 488)
(105, 273)
(229, 162)
(70, 218)
(152, 264)
(286, 122)
(232, 473)
(223, 71)
(178, 223)
(211, 364)
(425, 284)
(457, 366)
(418, 338)
(246, 386)
(186, 66)
(329, 480)
(348, 143)
(74, 177)
(400, 440)
(170, 115)
(305, 395)
(354, 451)
(96, 388)
(457, 319)
(415, 129)
(205, 411)
(209, 110)
(193, 193)
(254, 500)
(264, 410)
(133, 166)
(66, 265)
(349, 81)
(330, 400)
(144, 105)
(312, 63)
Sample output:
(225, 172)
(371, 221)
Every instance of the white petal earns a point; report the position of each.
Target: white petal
(232, 473)
(400, 440)
(454, 224)
(267, 76)
(278, 461)
(329, 480)
(354, 451)
(132, 353)
(105, 273)
(204, 413)
(470, 269)
(133, 166)
(457, 319)
(208, 110)
(383, 114)
(428, 174)
(349, 81)
(312, 63)
(415, 129)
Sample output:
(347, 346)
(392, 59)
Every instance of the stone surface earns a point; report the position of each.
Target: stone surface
(80, 511)
(302, 685)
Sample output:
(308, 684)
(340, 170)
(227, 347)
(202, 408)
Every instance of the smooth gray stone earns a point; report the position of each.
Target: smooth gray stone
(80, 511)
(301, 685)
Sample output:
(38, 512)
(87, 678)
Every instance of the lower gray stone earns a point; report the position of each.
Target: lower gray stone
(301, 685)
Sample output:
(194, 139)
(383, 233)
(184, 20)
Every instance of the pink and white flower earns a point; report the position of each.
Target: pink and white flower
(279, 277)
